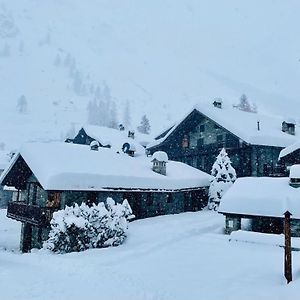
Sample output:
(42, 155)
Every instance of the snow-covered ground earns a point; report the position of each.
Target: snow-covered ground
(182, 256)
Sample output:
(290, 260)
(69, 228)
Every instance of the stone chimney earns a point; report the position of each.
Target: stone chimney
(131, 134)
(128, 149)
(94, 145)
(159, 160)
(218, 103)
(295, 176)
(289, 127)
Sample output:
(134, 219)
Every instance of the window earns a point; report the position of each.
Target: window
(220, 138)
(53, 200)
(91, 198)
(169, 198)
(149, 199)
(200, 143)
(32, 193)
(202, 128)
(185, 142)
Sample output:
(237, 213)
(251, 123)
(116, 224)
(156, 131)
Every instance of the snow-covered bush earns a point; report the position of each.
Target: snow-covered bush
(224, 176)
(78, 228)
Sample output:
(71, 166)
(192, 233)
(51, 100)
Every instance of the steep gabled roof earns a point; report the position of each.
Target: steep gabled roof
(63, 166)
(242, 124)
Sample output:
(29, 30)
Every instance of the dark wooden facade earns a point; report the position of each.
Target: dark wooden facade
(291, 159)
(263, 224)
(197, 141)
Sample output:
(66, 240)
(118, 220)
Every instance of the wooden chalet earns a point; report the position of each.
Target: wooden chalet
(290, 156)
(260, 204)
(253, 141)
(50, 176)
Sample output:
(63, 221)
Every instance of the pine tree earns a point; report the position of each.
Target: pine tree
(22, 104)
(113, 123)
(144, 125)
(57, 61)
(127, 115)
(245, 105)
(224, 176)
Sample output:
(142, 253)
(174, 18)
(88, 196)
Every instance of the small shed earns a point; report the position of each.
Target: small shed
(262, 202)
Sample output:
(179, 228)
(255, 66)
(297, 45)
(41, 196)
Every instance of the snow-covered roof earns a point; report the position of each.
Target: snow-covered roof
(295, 171)
(64, 166)
(261, 196)
(244, 125)
(290, 149)
(160, 156)
(113, 137)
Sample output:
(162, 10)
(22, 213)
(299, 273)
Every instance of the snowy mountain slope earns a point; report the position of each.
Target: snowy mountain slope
(162, 56)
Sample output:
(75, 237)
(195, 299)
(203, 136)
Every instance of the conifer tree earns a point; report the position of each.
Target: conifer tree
(127, 115)
(22, 104)
(144, 125)
(224, 176)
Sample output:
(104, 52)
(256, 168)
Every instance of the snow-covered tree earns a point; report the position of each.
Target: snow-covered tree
(67, 60)
(224, 176)
(57, 61)
(144, 126)
(113, 123)
(21, 47)
(92, 109)
(245, 105)
(78, 228)
(22, 104)
(127, 115)
(5, 51)
(77, 83)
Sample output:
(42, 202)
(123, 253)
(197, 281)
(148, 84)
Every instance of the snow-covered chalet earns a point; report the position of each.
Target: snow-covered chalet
(290, 156)
(117, 140)
(50, 176)
(252, 140)
(262, 202)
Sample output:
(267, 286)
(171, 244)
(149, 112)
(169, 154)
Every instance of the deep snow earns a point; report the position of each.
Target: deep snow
(181, 256)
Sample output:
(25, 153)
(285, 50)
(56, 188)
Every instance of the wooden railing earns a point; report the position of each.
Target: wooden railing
(32, 214)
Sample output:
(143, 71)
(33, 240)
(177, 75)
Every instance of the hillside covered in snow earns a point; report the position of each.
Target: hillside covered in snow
(161, 57)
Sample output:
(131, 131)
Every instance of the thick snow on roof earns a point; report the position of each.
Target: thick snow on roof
(160, 156)
(295, 171)
(244, 125)
(64, 166)
(113, 137)
(290, 149)
(263, 196)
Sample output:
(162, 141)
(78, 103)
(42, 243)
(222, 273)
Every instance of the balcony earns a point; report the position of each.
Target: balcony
(32, 214)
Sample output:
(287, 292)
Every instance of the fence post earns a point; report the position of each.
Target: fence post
(287, 247)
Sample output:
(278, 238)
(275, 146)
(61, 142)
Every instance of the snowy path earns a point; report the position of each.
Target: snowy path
(171, 257)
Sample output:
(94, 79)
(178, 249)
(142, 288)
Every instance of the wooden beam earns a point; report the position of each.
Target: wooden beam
(287, 248)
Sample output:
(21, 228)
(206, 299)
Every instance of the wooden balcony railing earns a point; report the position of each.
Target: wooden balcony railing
(32, 214)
